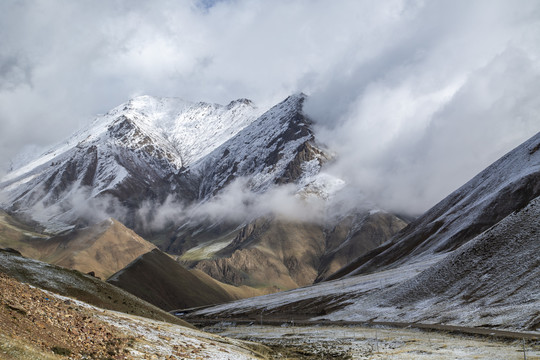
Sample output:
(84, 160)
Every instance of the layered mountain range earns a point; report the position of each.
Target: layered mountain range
(186, 205)
(235, 191)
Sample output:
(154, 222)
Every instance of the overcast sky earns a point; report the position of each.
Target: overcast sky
(415, 96)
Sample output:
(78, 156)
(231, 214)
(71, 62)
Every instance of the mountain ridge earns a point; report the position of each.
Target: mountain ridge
(505, 186)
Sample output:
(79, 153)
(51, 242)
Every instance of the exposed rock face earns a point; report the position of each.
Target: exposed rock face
(354, 235)
(271, 254)
(268, 151)
(279, 254)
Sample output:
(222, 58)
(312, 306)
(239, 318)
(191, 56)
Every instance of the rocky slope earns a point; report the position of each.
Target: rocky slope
(354, 235)
(80, 286)
(280, 254)
(40, 325)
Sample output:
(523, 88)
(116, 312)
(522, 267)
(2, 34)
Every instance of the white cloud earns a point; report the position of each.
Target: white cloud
(410, 131)
(391, 81)
(235, 203)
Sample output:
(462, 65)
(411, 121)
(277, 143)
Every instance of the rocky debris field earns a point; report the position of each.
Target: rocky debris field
(36, 324)
(56, 325)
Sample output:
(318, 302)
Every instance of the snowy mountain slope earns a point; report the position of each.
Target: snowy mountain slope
(137, 151)
(272, 150)
(492, 281)
(161, 166)
(505, 186)
(152, 148)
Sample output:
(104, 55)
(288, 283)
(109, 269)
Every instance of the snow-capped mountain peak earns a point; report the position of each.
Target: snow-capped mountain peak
(150, 148)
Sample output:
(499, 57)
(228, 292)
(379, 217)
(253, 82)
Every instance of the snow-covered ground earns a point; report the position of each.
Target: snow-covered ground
(161, 340)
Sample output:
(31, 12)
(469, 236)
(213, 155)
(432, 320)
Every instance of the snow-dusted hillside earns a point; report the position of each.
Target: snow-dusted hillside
(273, 149)
(490, 282)
(506, 186)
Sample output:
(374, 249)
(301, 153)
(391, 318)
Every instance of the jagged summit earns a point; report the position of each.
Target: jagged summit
(150, 148)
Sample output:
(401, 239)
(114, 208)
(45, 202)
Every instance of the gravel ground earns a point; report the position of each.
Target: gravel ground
(321, 342)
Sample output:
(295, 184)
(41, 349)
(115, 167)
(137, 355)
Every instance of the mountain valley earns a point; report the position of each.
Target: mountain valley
(226, 214)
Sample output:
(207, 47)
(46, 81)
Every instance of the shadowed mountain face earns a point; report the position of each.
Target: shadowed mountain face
(506, 186)
(355, 235)
(158, 279)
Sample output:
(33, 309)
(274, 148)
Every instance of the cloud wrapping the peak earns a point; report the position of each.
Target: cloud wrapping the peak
(415, 96)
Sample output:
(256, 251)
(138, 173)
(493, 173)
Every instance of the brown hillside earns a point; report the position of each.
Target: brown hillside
(80, 286)
(103, 248)
(276, 254)
(158, 279)
(268, 253)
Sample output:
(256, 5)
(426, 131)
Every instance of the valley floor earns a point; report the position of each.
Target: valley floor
(340, 342)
